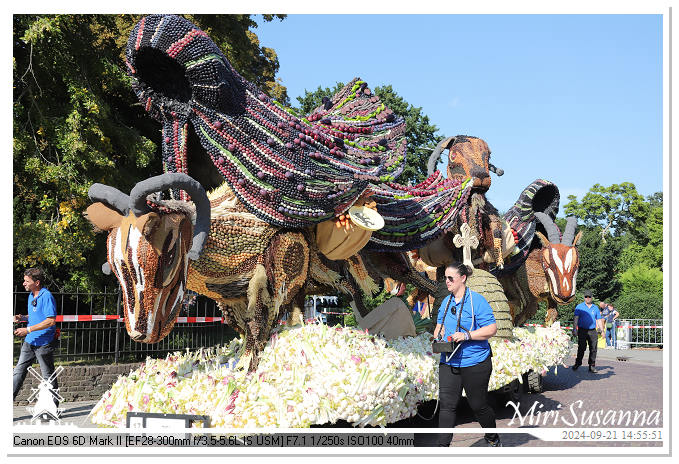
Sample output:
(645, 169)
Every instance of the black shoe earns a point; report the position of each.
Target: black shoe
(593, 370)
(494, 443)
(575, 367)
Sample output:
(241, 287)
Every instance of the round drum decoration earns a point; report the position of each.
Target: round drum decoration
(366, 218)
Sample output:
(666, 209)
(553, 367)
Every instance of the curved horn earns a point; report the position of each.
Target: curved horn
(434, 157)
(192, 187)
(542, 238)
(569, 232)
(111, 196)
(550, 227)
(496, 170)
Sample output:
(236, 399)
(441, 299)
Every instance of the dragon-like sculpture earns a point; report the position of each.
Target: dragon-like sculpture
(275, 224)
(280, 186)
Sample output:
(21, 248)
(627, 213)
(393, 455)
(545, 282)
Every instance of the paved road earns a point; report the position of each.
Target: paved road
(633, 384)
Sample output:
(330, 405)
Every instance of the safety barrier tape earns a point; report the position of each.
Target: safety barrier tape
(108, 317)
(203, 319)
(619, 327)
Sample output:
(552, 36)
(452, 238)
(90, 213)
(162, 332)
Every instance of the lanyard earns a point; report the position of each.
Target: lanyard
(459, 316)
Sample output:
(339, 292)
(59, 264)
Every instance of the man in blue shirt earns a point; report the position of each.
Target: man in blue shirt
(587, 321)
(40, 331)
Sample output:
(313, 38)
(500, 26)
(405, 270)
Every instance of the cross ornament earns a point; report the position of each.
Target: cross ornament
(466, 241)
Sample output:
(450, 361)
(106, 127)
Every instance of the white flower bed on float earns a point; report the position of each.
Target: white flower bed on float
(313, 374)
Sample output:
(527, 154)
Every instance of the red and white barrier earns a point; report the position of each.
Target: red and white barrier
(108, 317)
(206, 319)
(87, 318)
(619, 326)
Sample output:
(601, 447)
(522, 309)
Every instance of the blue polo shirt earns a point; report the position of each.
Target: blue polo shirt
(46, 306)
(587, 316)
(471, 352)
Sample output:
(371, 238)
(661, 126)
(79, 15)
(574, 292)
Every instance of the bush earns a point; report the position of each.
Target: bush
(642, 279)
(350, 320)
(566, 311)
(640, 305)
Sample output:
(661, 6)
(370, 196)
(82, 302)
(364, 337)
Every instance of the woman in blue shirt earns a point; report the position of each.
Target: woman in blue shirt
(470, 366)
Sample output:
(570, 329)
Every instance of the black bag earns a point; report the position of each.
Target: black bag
(443, 347)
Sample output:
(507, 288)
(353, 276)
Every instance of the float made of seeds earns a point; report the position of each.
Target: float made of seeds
(270, 206)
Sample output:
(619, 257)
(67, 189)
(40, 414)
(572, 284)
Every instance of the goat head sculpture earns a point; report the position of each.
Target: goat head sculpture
(560, 258)
(548, 273)
(255, 271)
(149, 252)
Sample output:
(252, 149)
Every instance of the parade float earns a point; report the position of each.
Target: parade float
(272, 207)
(312, 375)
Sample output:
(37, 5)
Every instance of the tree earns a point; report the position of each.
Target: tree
(616, 209)
(420, 134)
(77, 121)
(598, 264)
(647, 248)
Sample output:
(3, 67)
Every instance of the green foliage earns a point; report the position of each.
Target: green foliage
(633, 250)
(640, 278)
(626, 266)
(76, 121)
(565, 311)
(420, 133)
(640, 305)
(234, 36)
(598, 264)
(616, 209)
(373, 302)
(350, 320)
(423, 325)
(312, 100)
(648, 250)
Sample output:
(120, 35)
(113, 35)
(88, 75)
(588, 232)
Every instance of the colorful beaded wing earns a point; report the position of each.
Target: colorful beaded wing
(288, 171)
(414, 216)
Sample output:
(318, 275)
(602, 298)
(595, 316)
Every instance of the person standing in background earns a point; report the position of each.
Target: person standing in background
(587, 321)
(610, 315)
(40, 341)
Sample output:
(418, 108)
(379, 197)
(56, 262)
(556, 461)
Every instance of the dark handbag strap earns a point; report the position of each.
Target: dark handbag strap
(459, 314)
(459, 317)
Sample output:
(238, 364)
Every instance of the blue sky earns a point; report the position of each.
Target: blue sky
(575, 99)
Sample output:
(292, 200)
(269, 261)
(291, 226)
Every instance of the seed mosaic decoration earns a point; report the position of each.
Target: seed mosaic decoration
(541, 196)
(289, 184)
(414, 216)
(289, 171)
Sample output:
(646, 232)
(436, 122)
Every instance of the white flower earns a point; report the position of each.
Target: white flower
(313, 374)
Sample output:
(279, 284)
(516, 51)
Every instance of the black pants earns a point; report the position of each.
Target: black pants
(474, 379)
(586, 337)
